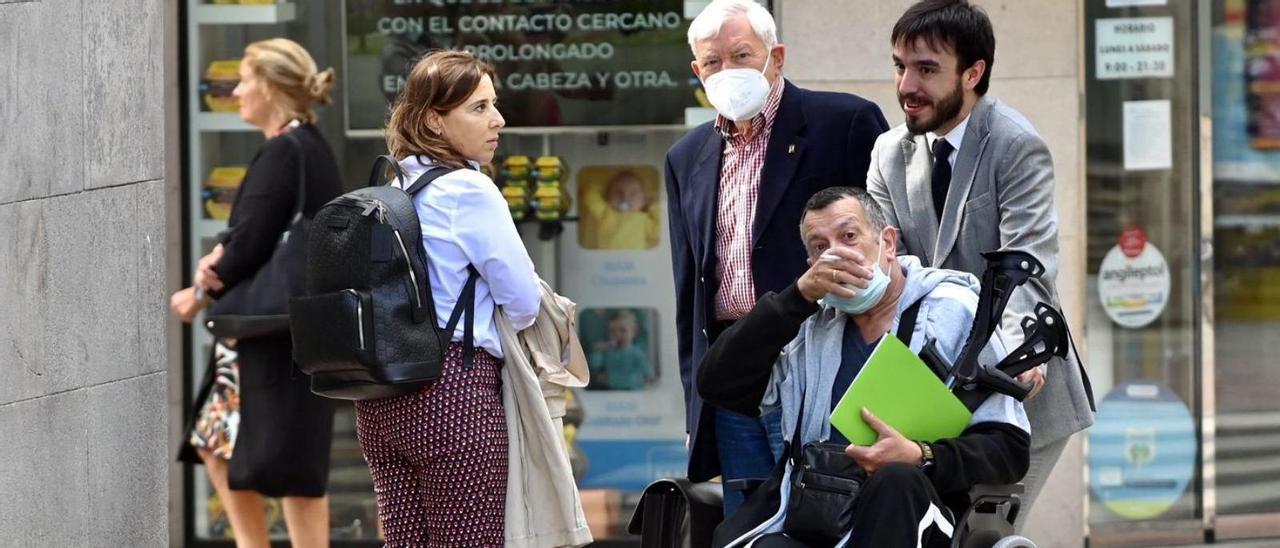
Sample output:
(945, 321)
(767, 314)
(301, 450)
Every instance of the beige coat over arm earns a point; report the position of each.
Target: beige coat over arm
(542, 363)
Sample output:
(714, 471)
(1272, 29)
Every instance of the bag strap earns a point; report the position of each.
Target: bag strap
(466, 304)
(907, 323)
(302, 178)
(794, 446)
(1084, 375)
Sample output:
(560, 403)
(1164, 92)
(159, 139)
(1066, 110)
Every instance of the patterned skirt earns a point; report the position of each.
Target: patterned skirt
(219, 420)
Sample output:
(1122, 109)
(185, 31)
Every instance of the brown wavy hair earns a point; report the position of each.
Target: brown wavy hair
(439, 82)
(291, 75)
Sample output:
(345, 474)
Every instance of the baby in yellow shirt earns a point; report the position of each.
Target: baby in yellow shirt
(617, 363)
(624, 216)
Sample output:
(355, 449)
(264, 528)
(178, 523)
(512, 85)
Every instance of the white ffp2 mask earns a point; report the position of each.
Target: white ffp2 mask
(739, 93)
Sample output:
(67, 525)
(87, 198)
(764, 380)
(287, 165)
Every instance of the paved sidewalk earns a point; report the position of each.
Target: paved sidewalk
(1257, 543)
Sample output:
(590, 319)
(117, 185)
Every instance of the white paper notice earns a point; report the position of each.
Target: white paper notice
(1148, 135)
(1134, 47)
(1125, 3)
(693, 7)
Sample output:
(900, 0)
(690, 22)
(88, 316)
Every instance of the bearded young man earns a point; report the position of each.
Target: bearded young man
(968, 174)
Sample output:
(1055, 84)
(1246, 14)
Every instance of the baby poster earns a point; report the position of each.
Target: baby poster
(621, 346)
(619, 207)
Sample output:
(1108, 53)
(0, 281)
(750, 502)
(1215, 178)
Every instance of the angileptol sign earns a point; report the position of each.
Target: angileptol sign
(1133, 281)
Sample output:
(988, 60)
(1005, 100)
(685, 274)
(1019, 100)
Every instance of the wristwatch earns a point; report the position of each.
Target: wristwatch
(926, 456)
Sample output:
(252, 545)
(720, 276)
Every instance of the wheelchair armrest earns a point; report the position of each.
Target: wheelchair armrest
(992, 511)
(987, 489)
(746, 486)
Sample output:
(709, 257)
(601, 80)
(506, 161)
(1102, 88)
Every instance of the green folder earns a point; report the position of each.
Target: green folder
(900, 389)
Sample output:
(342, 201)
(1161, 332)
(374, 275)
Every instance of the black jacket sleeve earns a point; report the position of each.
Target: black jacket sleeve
(263, 208)
(683, 268)
(987, 452)
(867, 125)
(735, 372)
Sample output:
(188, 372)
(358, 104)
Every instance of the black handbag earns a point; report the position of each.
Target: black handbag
(259, 306)
(824, 481)
(824, 488)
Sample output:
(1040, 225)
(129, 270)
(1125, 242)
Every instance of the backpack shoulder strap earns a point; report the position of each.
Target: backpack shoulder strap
(380, 165)
(466, 304)
(426, 178)
(907, 323)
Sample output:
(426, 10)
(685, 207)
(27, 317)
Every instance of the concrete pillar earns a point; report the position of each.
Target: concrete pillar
(82, 274)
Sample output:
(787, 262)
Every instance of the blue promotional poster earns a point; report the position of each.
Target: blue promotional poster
(1142, 450)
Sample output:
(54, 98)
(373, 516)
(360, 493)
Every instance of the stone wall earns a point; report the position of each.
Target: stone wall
(83, 388)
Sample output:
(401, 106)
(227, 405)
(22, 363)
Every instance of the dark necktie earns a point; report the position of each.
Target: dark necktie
(941, 174)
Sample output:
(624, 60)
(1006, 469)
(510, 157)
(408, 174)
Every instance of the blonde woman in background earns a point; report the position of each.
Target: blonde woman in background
(257, 428)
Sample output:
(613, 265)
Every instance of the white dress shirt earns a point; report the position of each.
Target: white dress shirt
(954, 137)
(464, 220)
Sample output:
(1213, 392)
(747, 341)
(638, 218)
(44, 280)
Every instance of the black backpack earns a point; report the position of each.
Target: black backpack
(366, 327)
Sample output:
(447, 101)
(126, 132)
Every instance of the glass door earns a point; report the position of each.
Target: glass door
(1143, 267)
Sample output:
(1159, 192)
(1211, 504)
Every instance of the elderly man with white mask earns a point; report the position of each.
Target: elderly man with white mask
(736, 189)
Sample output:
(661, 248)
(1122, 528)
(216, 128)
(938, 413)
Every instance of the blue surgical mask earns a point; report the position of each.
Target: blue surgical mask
(864, 299)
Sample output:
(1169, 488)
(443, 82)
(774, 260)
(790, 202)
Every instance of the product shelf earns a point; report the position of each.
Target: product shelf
(222, 121)
(1254, 221)
(208, 228)
(230, 14)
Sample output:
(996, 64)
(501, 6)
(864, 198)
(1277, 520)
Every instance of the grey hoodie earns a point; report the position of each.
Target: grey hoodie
(811, 360)
(808, 364)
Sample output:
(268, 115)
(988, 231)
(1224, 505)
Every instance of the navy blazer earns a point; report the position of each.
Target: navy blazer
(819, 140)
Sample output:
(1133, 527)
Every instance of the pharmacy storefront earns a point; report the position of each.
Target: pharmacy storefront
(1180, 134)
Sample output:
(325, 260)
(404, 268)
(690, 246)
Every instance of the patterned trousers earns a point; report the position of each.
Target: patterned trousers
(439, 457)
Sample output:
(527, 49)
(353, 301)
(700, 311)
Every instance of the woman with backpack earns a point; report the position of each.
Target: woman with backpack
(258, 429)
(438, 456)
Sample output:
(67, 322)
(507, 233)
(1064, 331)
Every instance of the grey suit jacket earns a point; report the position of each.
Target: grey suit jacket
(1001, 197)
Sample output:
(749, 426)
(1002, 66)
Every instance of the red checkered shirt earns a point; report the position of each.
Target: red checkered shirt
(736, 211)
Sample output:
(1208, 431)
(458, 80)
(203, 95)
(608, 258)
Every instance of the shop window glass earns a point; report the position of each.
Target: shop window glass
(1246, 193)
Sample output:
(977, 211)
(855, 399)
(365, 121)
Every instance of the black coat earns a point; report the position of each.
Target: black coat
(285, 431)
(818, 140)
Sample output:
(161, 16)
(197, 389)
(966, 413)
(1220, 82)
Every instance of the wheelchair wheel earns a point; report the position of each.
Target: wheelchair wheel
(1014, 541)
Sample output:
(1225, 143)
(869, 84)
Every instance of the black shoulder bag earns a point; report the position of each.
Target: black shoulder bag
(824, 481)
(259, 306)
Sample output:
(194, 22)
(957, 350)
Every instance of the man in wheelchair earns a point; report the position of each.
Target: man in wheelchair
(801, 348)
